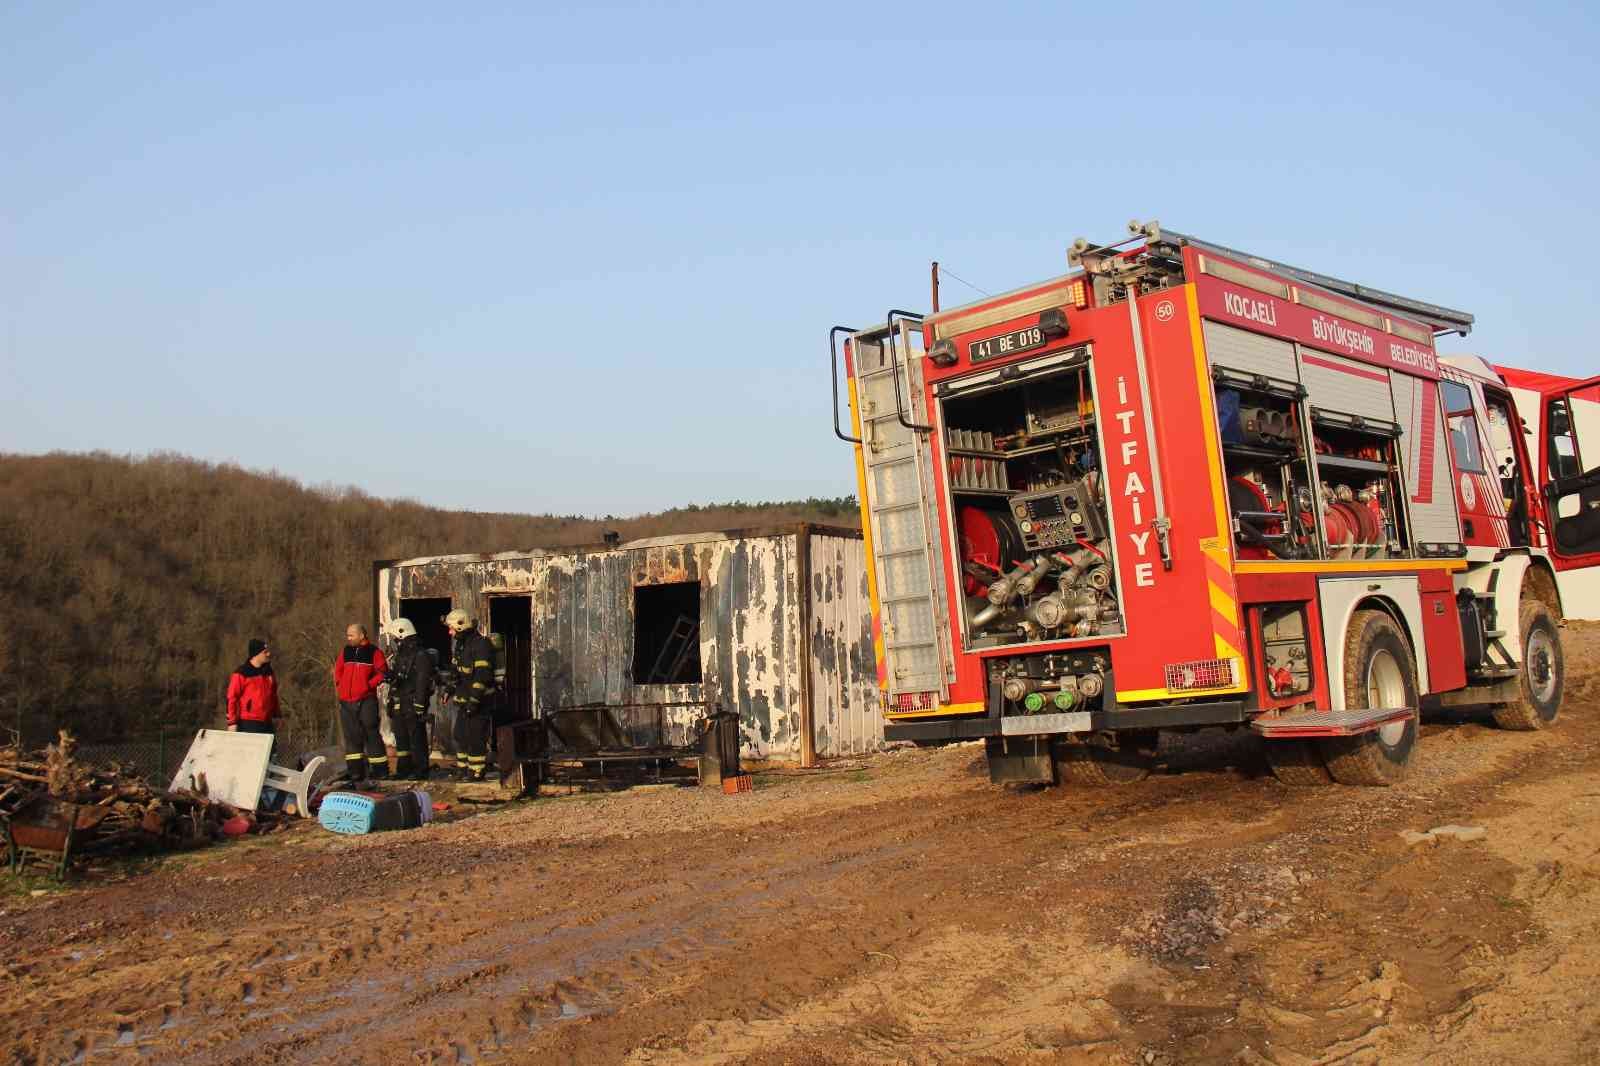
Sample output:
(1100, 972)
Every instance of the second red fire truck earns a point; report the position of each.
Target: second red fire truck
(1184, 486)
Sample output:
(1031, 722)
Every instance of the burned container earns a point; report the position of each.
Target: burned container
(773, 625)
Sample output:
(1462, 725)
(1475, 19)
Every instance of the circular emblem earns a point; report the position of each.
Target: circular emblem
(1165, 311)
(1469, 495)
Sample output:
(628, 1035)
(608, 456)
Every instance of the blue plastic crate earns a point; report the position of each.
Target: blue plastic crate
(347, 812)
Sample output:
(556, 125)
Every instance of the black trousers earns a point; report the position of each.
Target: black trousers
(364, 753)
(410, 741)
(472, 740)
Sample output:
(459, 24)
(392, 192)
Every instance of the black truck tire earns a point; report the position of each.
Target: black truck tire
(1092, 764)
(1543, 676)
(1297, 763)
(1378, 672)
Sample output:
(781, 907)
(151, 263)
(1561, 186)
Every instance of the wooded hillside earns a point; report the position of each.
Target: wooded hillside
(129, 587)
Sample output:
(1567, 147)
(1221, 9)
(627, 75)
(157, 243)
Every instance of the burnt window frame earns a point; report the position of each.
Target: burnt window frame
(642, 662)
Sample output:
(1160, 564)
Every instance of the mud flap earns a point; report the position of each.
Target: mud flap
(1019, 760)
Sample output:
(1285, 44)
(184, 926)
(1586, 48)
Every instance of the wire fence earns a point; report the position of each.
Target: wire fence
(155, 755)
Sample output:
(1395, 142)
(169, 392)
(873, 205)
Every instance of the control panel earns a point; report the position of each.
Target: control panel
(1057, 517)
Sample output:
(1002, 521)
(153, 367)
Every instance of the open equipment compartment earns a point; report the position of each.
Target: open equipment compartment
(1263, 449)
(1361, 491)
(1344, 499)
(1033, 539)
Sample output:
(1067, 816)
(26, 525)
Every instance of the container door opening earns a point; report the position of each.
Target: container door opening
(511, 618)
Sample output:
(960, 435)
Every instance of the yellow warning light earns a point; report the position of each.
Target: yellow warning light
(1079, 293)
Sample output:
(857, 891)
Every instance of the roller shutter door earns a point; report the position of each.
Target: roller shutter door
(1429, 488)
(1343, 385)
(1240, 349)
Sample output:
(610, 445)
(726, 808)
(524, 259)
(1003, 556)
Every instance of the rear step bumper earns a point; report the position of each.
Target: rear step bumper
(1315, 723)
(1223, 712)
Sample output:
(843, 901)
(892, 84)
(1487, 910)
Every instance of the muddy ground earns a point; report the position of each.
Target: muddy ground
(900, 911)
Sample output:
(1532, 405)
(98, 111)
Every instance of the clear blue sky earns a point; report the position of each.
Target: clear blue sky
(585, 260)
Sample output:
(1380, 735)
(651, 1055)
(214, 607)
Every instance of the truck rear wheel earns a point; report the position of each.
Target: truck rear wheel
(1297, 763)
(1378, 672)
(1543, 675)
(1093, 764)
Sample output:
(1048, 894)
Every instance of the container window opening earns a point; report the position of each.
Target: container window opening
(666, 634)
(427, 614)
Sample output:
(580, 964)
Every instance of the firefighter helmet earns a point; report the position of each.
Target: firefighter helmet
(402, 628)
(458, 621)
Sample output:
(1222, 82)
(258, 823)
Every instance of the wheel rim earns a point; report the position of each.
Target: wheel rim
(1538, 663)
(1386, 687)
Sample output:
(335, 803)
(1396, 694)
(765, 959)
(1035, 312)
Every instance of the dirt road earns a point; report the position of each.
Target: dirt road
(905, 911)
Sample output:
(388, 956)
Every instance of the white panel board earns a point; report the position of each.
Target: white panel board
(234, 766)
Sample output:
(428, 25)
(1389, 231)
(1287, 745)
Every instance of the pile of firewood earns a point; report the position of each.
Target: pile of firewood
(116, 810)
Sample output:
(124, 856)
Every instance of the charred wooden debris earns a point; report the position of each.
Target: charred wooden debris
(55, 807)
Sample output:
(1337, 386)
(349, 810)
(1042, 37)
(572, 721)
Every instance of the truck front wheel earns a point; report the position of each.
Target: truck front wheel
(1378, 672)
(1543, 675)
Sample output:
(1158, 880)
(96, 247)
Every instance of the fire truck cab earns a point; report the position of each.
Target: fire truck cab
(1561, 418)
(1184, 486)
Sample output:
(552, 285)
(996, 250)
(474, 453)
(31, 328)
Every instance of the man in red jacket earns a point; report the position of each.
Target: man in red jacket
(253, 693)
(357, 673)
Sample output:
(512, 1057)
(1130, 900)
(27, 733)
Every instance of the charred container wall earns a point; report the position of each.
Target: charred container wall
(757, 649)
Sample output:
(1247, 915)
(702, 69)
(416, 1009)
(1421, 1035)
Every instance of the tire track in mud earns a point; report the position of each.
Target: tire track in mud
(937, 920)
(578, 969)
(607, 952)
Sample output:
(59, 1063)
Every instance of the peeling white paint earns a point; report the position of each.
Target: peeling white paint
(750, 638)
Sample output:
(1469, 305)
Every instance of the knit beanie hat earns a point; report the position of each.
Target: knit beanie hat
(256, 648)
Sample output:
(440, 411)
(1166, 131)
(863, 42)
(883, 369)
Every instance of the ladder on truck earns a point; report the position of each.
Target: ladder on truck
(905, 528)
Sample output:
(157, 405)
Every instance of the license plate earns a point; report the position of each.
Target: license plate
(1030, 724)
(1018, 340)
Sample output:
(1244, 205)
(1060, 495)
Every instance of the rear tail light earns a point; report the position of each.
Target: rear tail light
(1202, 674)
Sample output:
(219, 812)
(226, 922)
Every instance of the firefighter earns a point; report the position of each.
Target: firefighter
(357, 673)
(410, 685)
(473, 694)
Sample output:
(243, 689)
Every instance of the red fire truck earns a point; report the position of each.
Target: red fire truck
(1183, 486)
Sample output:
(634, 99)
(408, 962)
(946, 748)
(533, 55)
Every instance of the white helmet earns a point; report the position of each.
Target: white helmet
(458, 621)
(402, 628)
